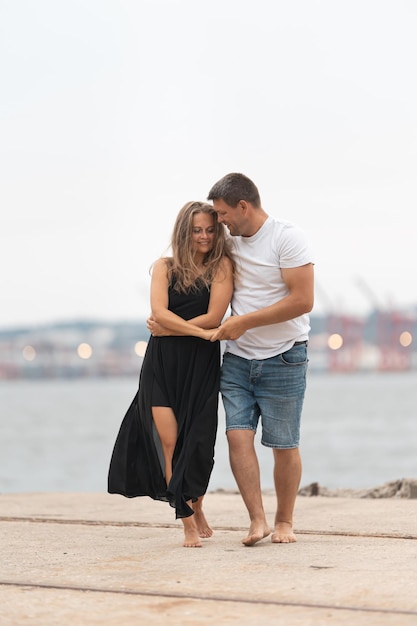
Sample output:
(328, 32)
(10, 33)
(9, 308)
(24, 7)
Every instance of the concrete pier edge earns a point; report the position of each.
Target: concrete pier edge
(103, 559)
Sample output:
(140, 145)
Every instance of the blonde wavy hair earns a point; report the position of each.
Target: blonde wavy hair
(182, 265)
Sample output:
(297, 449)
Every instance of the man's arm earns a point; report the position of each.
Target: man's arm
(300, 300)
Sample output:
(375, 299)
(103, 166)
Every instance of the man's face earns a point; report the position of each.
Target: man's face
(229, 216)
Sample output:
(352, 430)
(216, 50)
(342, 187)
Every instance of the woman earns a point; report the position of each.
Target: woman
(165, 446)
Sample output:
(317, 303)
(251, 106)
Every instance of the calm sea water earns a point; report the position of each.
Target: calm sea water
(57, 436)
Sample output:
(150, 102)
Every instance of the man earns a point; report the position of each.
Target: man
(265, 360)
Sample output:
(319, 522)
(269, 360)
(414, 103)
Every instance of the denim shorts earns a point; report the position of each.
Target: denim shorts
(272, 389)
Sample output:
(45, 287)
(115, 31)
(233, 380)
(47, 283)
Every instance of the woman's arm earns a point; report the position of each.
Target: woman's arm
(221, 291)
(159, 305)
(163, 322)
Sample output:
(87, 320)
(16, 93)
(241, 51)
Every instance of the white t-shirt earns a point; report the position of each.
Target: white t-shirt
(259, 283)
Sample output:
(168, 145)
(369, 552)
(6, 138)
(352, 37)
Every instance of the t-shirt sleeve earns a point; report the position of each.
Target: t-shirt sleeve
(294, 248)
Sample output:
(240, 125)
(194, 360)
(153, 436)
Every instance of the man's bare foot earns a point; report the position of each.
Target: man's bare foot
(283, 533)
(257, 531)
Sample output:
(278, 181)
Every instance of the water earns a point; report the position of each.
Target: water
(358, 431)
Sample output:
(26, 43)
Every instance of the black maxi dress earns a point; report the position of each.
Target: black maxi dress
(187, 370)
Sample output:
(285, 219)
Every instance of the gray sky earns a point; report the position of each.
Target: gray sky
(113, 114)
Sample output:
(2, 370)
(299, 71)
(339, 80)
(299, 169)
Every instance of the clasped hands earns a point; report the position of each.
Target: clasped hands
(231, 328)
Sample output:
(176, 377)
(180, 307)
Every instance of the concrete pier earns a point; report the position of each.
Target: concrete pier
(81, 559)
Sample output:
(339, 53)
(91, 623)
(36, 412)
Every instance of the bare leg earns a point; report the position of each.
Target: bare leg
(245, 468)
(287, 476)
(167, 427)
(204, 529)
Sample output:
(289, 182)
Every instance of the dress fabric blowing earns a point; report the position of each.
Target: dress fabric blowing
(187, 371)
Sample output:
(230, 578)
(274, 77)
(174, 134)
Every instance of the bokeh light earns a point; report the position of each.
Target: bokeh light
(29, 353)
(84, 351)
(406, 339)
(140, 348)
(335, 341)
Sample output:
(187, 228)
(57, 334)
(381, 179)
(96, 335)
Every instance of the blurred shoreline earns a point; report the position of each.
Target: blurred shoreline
(381, 341)
(358, 431)
(401, 488)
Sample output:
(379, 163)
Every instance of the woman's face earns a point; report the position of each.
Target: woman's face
(203, 233)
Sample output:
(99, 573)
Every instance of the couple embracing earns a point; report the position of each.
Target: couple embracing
(230, 252)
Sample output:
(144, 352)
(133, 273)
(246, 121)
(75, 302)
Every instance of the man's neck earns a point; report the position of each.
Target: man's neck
(256, 223)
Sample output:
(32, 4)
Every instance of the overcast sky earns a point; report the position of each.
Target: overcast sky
(114, 113)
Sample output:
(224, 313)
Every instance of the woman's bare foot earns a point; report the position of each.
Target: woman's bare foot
(204, 530)
(283, 533)
(257, 531)
(191, 536)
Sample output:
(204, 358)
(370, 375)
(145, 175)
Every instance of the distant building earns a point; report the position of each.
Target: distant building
(340, 343)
